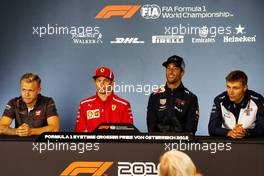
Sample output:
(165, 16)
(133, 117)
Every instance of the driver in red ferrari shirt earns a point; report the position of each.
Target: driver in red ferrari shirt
(105, 106)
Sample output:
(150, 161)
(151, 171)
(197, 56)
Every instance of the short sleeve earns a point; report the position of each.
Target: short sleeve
(51, 108)
(10, 109)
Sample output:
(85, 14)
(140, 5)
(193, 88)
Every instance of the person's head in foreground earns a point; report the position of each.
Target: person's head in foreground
(177, 163)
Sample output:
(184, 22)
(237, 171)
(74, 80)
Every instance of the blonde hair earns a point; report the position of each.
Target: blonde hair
(177, 163)
(30, 77)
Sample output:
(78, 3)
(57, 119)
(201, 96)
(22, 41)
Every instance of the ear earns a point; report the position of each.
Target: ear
(245, 88)
(39, 90)
(112, 83)
(182, 73)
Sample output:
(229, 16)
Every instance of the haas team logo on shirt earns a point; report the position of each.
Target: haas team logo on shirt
(37, 113)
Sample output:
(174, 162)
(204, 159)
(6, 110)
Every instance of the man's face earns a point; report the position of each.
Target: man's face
(236, 91)
(29, 92)
(103, 85)
(173, 73)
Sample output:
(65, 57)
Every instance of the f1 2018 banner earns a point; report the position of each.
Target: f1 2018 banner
(65, 41)
(128, 159)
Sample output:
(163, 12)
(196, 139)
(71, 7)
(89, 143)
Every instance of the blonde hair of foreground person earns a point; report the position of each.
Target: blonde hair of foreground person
(176, 163)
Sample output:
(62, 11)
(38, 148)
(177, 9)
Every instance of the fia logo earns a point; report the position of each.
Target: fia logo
(150, 11)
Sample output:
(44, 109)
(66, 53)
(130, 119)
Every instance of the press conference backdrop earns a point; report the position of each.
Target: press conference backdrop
(65, 41)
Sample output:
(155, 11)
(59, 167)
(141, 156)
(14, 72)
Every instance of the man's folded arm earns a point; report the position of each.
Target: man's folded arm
(5, 128)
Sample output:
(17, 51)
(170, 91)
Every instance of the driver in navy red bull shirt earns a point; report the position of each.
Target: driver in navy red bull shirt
(173, 108)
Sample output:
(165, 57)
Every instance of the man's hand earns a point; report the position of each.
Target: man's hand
(237, 132)
(23, 130)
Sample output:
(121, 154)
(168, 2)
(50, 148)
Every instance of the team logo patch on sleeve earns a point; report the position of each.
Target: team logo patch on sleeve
(7, 107)
(197, 114)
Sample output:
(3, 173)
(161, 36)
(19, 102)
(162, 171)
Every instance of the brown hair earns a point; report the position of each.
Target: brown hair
(30, 77)
(237, 75)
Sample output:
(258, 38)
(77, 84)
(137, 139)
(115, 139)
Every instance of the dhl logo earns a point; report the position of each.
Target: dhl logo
(94, 168)
(125, 11)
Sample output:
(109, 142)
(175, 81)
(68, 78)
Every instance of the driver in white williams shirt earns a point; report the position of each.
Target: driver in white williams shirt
(237, 112)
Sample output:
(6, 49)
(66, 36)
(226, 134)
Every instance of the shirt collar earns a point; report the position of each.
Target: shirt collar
(178, 89)
(243, 103)
(23, 104)
(110, 97)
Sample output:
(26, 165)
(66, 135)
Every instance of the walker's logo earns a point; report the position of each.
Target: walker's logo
(125, 11)
(94, 168)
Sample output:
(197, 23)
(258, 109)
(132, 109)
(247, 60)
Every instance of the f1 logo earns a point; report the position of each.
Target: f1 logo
(104, 127)
(125, 11)
(94, 168)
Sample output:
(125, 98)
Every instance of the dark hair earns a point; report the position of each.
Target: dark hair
(30, 77)
(237, 75)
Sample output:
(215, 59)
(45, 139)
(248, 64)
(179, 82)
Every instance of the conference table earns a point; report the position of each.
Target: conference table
(105, 155)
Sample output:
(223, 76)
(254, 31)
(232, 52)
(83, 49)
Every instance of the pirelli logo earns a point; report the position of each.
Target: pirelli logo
(91, 168)
(124, 11)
